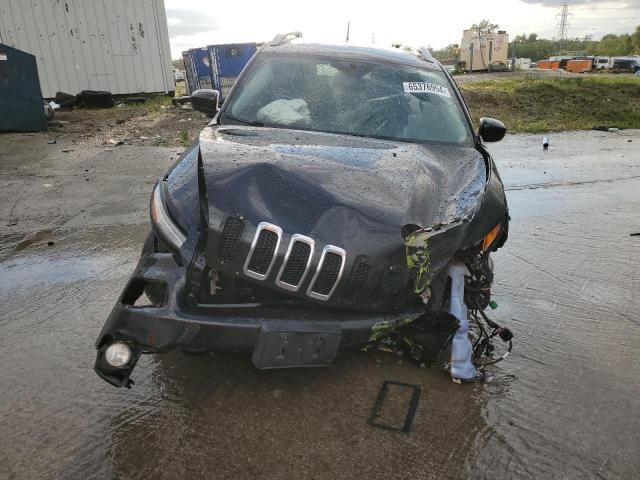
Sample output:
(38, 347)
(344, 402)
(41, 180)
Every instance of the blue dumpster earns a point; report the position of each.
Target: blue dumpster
(197, 68)
(21, 105)
(227, 61)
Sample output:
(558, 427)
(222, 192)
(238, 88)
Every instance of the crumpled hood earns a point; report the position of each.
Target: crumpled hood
(342, 185)
(340, 191)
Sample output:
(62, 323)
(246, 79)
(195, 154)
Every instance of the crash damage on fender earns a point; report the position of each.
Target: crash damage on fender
(293, 242)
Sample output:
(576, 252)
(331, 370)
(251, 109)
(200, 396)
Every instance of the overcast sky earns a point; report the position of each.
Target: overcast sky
(196, 23)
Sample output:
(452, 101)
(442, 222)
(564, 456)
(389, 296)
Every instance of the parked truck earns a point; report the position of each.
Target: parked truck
(582, 65)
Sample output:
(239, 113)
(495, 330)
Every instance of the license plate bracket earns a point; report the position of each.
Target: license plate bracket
(296, 344)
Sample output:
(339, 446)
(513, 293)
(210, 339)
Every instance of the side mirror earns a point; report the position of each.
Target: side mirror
(491, 130)
(206, 100)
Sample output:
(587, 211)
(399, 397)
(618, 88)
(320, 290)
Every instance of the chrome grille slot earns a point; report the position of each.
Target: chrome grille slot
(231, 234)
(263, 252)
(328, 274)
(296, 262)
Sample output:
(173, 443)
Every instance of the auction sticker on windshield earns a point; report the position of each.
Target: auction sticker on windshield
(424, 87)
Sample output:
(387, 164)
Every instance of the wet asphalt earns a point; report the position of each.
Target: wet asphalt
(564, 405)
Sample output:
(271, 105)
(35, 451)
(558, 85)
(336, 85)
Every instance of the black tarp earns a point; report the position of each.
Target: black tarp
(21, 106)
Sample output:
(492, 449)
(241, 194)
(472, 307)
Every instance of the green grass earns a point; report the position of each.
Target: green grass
(556, 104)
(154, 106)
(184, 138)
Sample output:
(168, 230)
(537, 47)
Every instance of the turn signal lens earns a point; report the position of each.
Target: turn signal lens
(490, 237)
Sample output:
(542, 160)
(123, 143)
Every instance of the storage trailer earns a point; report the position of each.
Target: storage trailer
(483, 50)
(121, 46)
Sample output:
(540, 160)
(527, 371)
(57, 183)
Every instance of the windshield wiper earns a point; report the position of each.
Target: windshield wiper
(243, 121)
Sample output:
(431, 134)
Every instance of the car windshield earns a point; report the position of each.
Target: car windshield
(351, 97)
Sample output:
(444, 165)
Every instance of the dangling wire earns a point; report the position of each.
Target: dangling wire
(482, 345)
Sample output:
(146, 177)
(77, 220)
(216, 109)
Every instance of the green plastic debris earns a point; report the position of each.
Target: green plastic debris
(385, 327)
(418, 258)
(493, 304)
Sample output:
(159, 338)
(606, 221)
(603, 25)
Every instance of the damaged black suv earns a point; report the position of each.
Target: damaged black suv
(320, 208)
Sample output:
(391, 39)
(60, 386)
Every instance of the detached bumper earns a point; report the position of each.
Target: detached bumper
(167, 325)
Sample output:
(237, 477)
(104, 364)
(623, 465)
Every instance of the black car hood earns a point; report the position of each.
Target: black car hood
(306, 181)
(351, 192)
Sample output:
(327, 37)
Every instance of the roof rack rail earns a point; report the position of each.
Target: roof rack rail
(420, 52)
(283, 38)
(425, 54)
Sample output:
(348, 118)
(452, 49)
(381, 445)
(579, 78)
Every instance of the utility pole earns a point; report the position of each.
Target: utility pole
(563, 21)
(348, 28)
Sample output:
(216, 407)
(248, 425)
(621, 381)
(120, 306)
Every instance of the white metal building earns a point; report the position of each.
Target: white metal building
(117, 45)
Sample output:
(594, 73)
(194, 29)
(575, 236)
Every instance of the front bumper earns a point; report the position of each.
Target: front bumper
(169, 325)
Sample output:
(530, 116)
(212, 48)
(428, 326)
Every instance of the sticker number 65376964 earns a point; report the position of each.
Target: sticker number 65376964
(425, 87)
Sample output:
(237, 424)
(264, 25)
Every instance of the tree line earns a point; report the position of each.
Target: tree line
(536, 48)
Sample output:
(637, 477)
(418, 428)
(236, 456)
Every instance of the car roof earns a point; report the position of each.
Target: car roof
(391, 55)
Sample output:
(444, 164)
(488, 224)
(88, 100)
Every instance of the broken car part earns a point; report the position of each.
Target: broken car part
(374, 419)
(320, 210)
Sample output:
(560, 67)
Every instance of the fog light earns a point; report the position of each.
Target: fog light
(118, 354)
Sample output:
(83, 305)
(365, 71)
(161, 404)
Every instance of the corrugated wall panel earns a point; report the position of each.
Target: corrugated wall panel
(116, 45)
(162, 34)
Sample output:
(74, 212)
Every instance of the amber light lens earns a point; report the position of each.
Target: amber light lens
(490, 237)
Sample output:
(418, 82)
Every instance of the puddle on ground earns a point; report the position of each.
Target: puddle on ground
(561, 406)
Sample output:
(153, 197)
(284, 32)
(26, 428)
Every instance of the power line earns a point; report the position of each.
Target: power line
(563, 21)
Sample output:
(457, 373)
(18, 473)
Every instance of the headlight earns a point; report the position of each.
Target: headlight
(163, 224)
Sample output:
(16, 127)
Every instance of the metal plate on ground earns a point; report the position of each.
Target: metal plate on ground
(297, 344)
(395, 406)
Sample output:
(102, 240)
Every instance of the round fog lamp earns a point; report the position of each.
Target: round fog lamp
(118, 354)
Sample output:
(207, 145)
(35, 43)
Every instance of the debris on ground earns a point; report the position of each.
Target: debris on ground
(133, 100)
(180, 100)
(95, 99)
(156, 122)
(65, 100)
(58, 123)
(420, 338)
(388, 409)
(36, 237)
(48, 111)
(607, 128)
